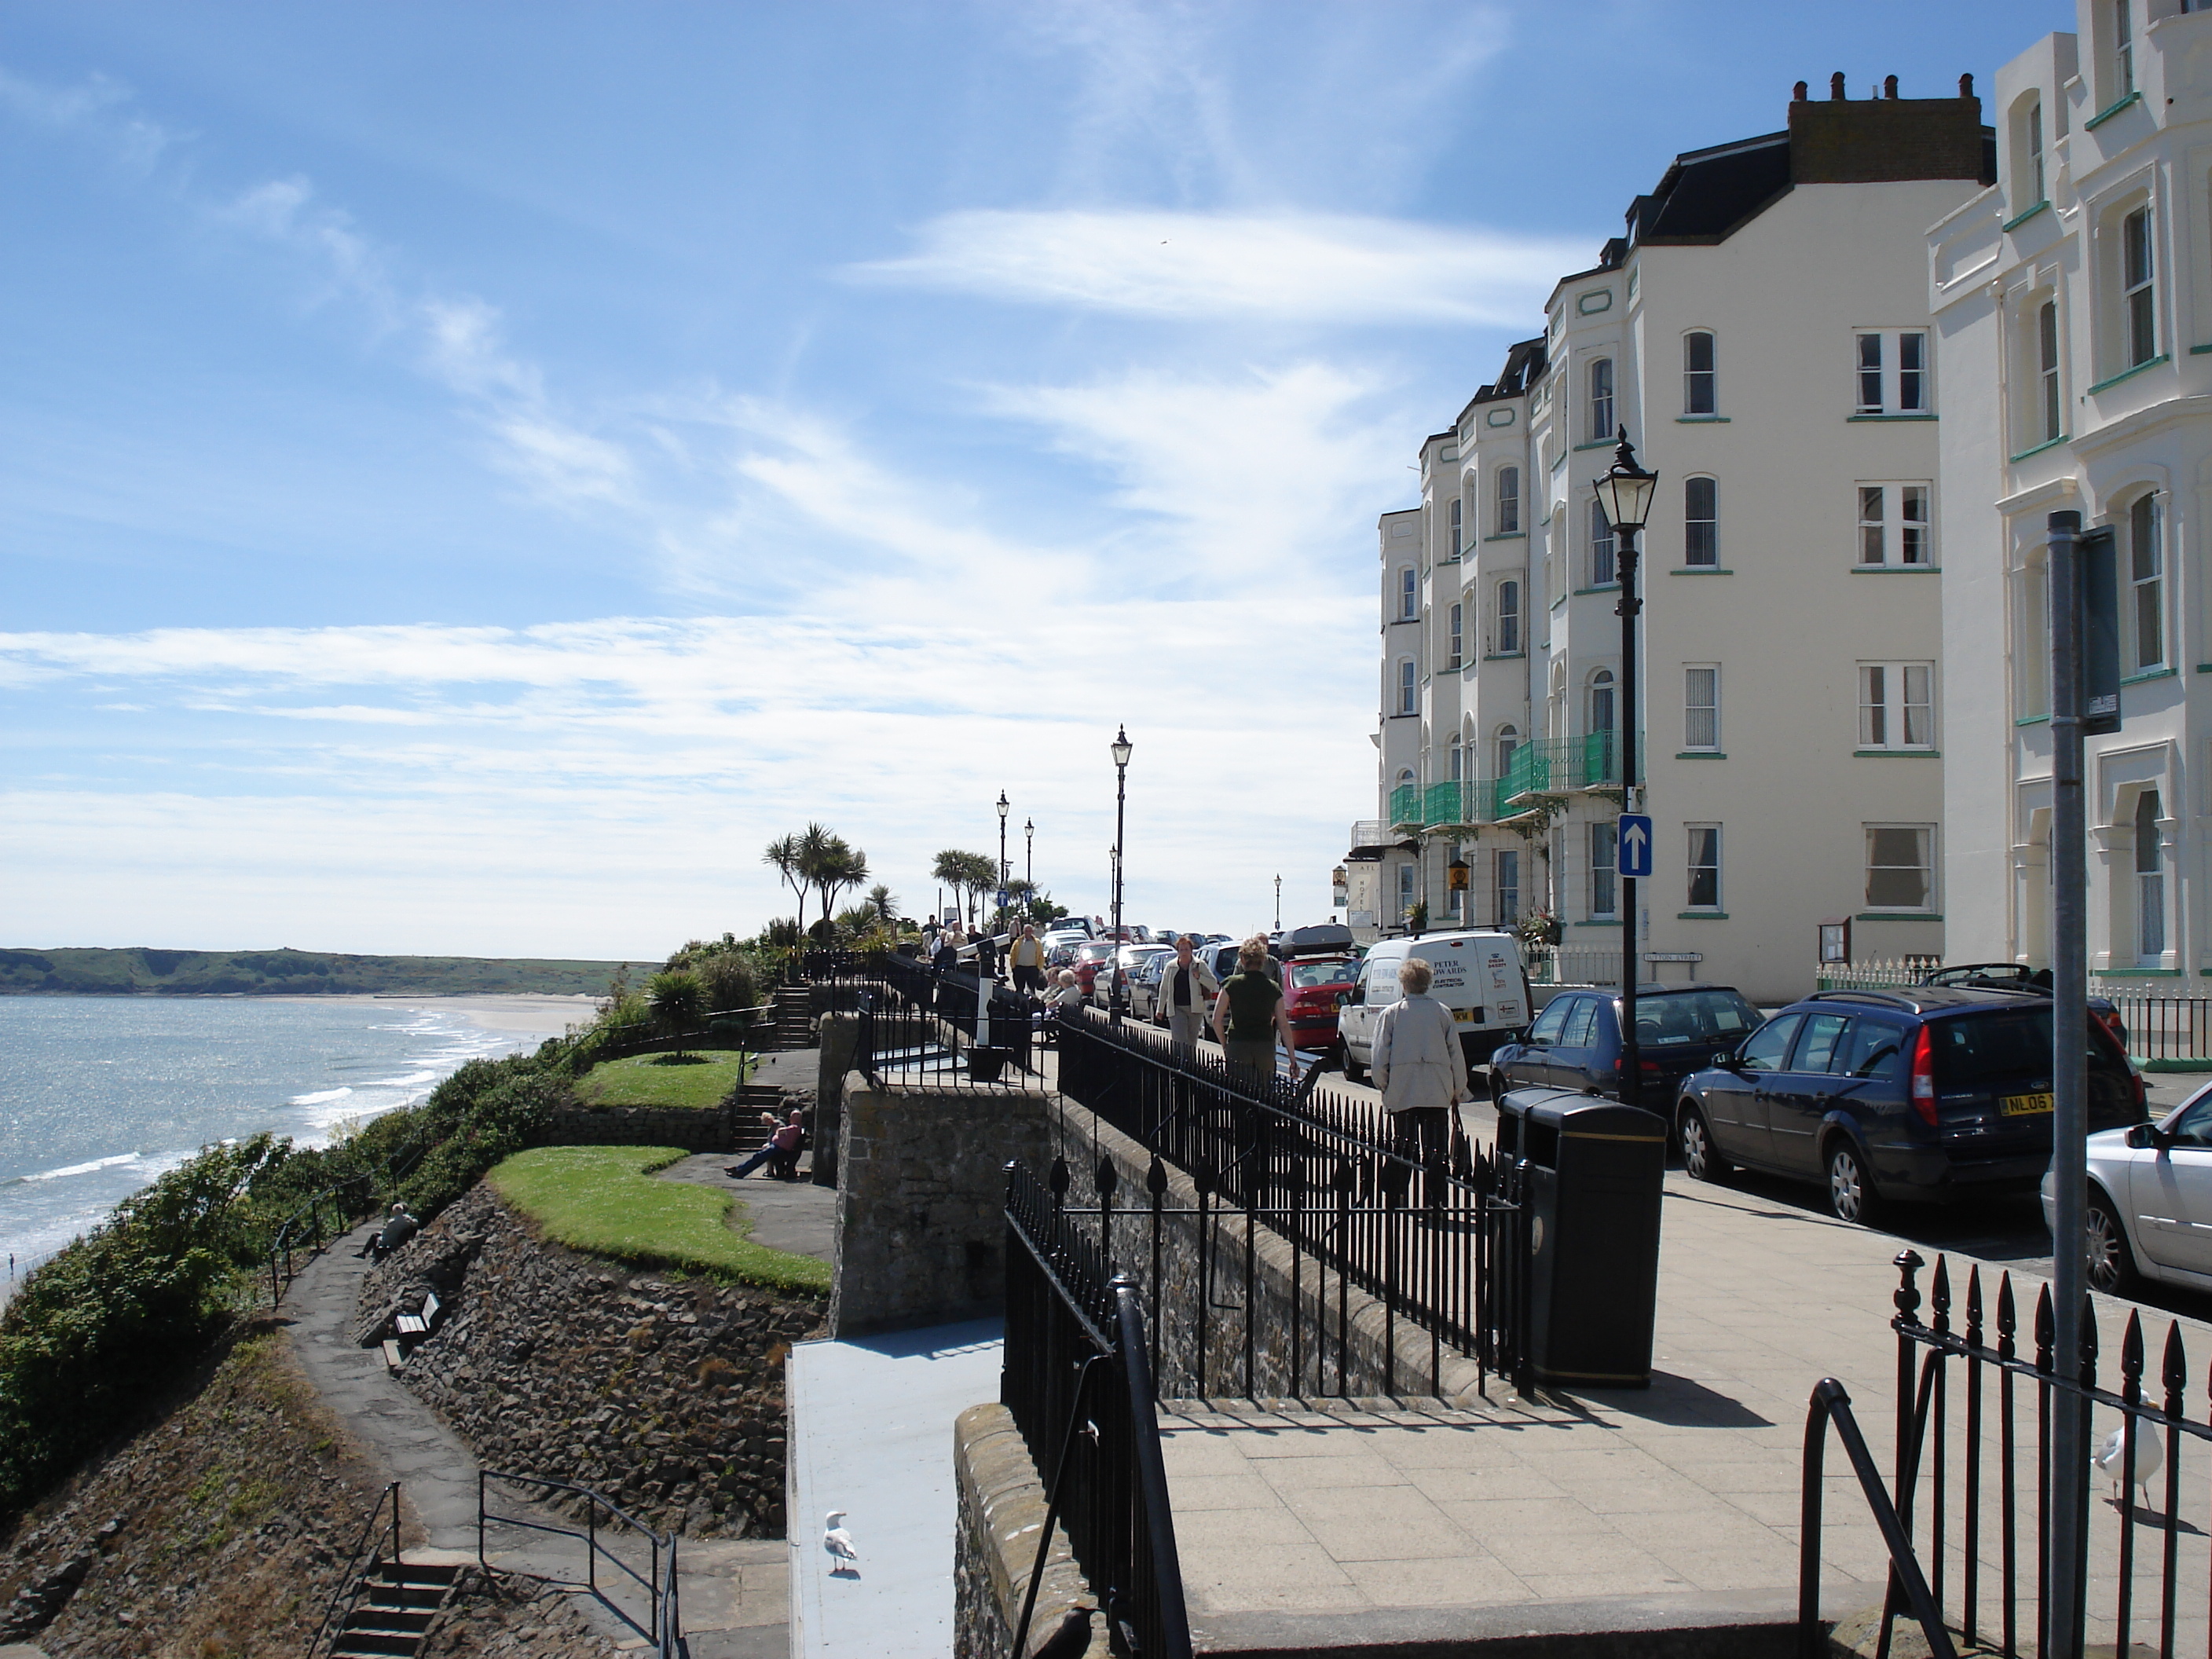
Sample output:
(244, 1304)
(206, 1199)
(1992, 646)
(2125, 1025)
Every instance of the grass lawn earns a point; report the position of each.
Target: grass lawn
(604, 1199)
(696, 1079)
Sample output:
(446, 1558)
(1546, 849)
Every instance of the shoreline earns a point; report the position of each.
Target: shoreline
(521, 1014)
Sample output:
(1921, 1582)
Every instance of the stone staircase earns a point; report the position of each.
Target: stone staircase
(397, 1602)
(793, 1020)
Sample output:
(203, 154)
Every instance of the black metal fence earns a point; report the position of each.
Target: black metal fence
(919, 1024)
(1077, 1384)
(379, 1534)
(641, 1592)
(1434, 1234)
(2163, 1029)
(1974, 1434)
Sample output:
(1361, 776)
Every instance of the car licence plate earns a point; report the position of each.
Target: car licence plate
(2024, 1105)
(1467, 1016)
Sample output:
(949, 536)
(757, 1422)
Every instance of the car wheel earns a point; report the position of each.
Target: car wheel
(1353, 1071)
(1850, 1195)
(1701, 1161)
(2110, 1264)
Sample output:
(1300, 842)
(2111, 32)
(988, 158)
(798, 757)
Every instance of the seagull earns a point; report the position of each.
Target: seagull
(2111, 1458)
(839, 1543)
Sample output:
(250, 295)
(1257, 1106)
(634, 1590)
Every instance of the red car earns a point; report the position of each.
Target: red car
(1313, 985)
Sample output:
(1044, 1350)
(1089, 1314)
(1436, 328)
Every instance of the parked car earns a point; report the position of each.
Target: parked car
(1925, 1094)
(1313, 984)
(2149, 1209)
(1141, 980)
(1478, 975)
(2019, 977)
(1102, 989)
(1575, 1042)
(1071, 925)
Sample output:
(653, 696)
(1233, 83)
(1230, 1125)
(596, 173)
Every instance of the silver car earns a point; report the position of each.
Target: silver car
(2149, 1211)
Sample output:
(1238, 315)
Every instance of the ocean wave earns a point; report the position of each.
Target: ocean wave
(321, 1099)
(93, 1167)
(413, 1079)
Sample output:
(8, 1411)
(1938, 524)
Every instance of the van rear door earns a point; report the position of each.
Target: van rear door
(1504, 992)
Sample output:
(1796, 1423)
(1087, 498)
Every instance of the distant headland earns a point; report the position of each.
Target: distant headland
(143, 972)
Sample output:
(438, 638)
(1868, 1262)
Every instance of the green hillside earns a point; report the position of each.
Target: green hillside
(289, 973)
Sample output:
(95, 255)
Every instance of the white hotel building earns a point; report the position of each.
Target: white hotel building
(1763, 332)
(2075, 300)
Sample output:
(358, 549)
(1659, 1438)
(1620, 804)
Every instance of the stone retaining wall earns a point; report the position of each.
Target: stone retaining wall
(1001, 1509)
(1083, 1138)
(698, 1129)
(921, 1201)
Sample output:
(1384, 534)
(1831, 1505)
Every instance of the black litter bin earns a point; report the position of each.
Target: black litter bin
(1592, 1173)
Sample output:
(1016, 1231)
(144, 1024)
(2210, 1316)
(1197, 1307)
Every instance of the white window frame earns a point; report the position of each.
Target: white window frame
(1509, 617)
(1409, 688)
(1708, 556)
(1409, 594)
(1893, 372)
(1896, 524)
(1897, 706)
(1505, 744)
(2124, 50)
(1928, 867)
(1701, 679)
(1509, 911)
(1705, 380)
(1458, 615)
(2138, 286)
(2143, 567)
(1598, 378)
(1694, 843)
(1458, 527)
(1604, 869)
(1604, 551)
(2050, 393)
(1505, 500)
(1601, 681)
(2035, 155)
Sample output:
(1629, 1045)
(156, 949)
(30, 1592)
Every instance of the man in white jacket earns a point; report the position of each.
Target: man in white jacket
(1188, 990)
(1419, 1066)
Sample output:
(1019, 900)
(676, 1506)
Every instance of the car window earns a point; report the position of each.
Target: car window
(1871, 1049)
(1702, 1018)
(1305, 975)
(2193, 1126)
(1817, 1048)
(1382, 983)
(1768, 1046)
(1552, 1021)
(1581, 1024)
(1971, 1047)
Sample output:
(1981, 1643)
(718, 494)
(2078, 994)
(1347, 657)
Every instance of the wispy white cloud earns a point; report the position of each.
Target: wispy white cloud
(1282, 267)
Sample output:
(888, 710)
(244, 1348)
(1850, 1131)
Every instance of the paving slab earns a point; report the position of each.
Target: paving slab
(872, 1434)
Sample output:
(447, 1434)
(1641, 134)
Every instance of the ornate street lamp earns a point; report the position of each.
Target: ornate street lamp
(1120, 749)
(1002, 854)
(1279, 904)
(1624, 495)
(1029, 869)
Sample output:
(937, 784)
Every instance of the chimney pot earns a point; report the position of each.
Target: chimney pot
(1889, 88)
(1836, 84)
(1797, 94)
(1965, 86)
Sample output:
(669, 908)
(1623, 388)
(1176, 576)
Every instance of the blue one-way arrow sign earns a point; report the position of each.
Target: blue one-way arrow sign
(1635, 843)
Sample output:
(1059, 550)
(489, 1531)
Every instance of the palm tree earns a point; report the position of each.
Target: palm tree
(885, 901)
(679, 1002)
(783, 853)
(839, 869)
(951, 867)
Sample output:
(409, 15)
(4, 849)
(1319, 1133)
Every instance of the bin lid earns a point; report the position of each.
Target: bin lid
(1521, 1103)
(1576, 1115)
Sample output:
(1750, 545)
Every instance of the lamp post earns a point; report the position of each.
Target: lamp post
(1002, 854)
(1029, 868)
(1279, 904)
(1624, 495)
(1119, 748)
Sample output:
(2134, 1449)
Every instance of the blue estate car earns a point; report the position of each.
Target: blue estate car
(1925, 1094)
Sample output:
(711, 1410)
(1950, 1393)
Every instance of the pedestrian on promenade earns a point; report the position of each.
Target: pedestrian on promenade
(1250, 1015)
(1025, 955)
(1187, 988)
(1418, 1064)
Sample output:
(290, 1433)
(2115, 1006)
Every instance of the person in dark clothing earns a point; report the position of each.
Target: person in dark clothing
(398, 1227)
(1250, 1014)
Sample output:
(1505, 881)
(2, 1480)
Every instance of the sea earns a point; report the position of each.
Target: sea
(100, 1095)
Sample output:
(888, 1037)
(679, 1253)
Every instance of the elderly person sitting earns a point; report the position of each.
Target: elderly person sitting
(1419, 1066)
(398, 1227)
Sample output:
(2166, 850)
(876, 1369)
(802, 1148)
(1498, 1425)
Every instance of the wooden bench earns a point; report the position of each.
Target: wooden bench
(411, 1328)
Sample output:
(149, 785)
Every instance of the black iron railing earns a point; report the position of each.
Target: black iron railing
(917, 1024)
(1434, 1234)
(1974, 1437)
(1077, 1384)
(379, 1529)
(325, 1216)
(1832, 1404)
(628, 1589)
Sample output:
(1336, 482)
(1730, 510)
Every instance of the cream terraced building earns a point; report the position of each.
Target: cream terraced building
(2073, 312)
(1762, 331)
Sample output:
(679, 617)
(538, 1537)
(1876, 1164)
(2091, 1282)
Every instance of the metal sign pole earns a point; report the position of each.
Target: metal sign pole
(2069, 1037)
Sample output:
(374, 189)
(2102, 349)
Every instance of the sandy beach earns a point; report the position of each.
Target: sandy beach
(511, 1016)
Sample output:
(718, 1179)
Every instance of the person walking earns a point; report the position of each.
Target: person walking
(946, 956)
(1250, 1015)
(1418, 1064)
(1187, 988)
(1025, 955)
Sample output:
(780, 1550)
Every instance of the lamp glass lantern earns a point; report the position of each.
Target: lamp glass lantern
(1004, 806)
(1623, 491)
(1122, 746)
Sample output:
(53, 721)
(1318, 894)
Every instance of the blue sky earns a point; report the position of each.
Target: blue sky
(471, 475)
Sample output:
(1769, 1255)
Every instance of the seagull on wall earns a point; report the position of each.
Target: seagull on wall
(838, 1544)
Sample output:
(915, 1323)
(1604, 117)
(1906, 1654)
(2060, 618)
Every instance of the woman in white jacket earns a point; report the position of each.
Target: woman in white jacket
(1419, 1066)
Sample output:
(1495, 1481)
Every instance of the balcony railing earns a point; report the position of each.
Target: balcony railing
(1406, 806)
(1369, 832)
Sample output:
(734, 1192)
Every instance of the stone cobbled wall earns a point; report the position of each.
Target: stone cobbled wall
(697, 1129)
(1001, 1509)
(666, 1397)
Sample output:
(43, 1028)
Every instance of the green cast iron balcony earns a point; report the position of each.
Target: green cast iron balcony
(1406, 806)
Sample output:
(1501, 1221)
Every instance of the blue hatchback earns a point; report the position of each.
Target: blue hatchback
(1925, 1094)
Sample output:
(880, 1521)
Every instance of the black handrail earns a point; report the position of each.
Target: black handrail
(1831, 1404)
(290, 1231)
(367, 1552)
(659, 1587)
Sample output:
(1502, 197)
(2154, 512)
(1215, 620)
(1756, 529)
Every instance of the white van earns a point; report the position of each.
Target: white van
(1478, 975)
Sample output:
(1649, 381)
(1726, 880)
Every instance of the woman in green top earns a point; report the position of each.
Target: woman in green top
(1250, 1015)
